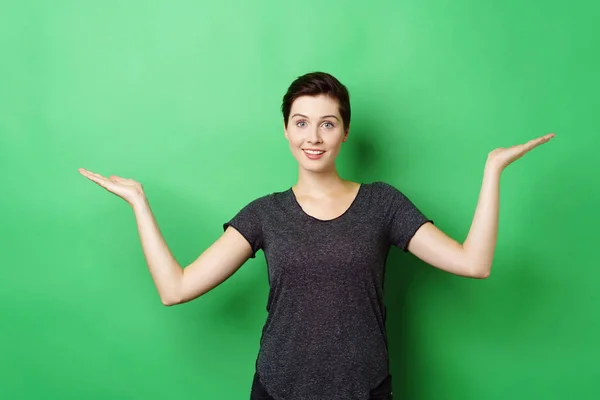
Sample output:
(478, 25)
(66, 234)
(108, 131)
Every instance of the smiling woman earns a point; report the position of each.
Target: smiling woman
(326, 241)
(316, 116)
(317, 133)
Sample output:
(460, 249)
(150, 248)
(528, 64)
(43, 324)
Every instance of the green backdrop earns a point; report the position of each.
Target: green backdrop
(184, 97)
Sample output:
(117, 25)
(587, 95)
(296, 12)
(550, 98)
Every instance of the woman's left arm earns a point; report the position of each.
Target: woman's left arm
(474, 257)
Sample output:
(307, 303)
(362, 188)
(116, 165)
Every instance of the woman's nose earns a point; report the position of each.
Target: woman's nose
(315, 136)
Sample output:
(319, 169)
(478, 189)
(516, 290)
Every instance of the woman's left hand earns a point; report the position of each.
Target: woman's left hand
(502, 157)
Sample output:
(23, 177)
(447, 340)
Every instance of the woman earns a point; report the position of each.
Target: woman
(325, 240)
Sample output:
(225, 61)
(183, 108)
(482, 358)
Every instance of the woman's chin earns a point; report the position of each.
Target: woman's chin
(320, 165)
(316, 167)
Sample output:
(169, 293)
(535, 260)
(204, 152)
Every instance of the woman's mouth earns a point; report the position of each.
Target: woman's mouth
(313, 154)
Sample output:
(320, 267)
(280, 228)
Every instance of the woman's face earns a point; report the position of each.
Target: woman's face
(315, 132)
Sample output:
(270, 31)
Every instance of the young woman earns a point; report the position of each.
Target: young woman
(326, 241)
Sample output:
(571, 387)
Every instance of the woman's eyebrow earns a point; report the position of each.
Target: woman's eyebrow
(324, 116)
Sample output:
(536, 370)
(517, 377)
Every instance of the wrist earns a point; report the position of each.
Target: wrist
(492, 167)
(139, 201)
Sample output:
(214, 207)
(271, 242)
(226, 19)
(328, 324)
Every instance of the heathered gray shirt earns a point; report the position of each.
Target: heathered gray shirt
(325, 335)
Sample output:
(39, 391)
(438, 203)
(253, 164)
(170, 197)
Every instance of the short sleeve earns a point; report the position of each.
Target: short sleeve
(402, 217)
(248, 223)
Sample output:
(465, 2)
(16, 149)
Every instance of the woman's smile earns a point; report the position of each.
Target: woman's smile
(313, 154)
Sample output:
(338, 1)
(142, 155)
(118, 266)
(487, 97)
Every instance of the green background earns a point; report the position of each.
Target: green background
(184, 97)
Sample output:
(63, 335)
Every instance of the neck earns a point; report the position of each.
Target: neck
(319, 183)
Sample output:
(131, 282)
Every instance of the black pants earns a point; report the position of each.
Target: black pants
(381, 392)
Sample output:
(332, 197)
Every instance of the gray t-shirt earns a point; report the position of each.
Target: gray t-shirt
(325, 335)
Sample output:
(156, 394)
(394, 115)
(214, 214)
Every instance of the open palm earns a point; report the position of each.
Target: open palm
(503, 157)
(128, 189)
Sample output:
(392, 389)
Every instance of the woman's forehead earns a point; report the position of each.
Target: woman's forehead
(315, 106)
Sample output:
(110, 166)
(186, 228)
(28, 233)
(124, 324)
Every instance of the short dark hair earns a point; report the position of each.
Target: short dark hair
(314, 84)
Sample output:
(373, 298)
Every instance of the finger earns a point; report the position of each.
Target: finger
(90, 174)
(545, 138)
(93, 175)
(98, 179)
(116, 178)
(536, 142)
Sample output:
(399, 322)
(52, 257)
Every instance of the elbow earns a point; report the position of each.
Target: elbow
(481, 272)
(482, 275)
(169, 301)
(171, 294)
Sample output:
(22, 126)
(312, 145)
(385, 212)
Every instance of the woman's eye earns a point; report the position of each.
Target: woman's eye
(300, 124)
(328, 125)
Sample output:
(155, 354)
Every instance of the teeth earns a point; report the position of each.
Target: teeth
(314, 152)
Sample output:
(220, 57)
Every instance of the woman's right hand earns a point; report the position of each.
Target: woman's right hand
(129, 190)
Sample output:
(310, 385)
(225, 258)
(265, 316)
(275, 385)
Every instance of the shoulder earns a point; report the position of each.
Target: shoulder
(383, 190)
(266, 202)
(388, 197)
(382, 186)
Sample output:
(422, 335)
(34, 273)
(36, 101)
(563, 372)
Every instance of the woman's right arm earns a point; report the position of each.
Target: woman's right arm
(176, 285)
(179, 285)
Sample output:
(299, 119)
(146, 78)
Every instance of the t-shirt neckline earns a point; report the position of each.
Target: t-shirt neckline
(350, 207)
